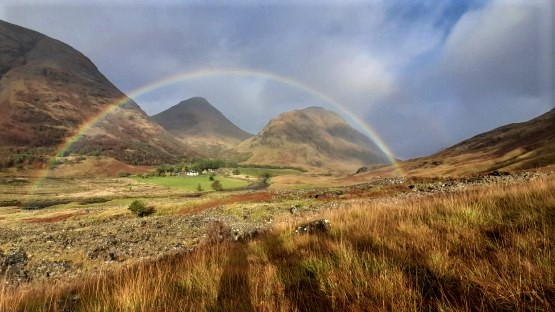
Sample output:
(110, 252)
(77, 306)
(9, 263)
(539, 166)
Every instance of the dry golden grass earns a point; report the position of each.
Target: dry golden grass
(55, 218)
(489, 248)
(232, 199)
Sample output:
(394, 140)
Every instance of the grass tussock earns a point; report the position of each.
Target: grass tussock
(482, 249)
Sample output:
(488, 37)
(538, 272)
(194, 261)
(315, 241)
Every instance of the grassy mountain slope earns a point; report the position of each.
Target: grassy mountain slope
(199, 124)
(312, 138)
(48, 90)
(517, 146)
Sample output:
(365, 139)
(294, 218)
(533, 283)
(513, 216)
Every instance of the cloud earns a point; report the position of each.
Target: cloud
(350, 76)
(490, 71)
(494, 62)
(496, 51)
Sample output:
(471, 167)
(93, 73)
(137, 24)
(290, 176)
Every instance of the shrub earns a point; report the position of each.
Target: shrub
(236, 172)
(211, 178)
(199, 188)
(140, 209)
(160, 171)
(217, 185)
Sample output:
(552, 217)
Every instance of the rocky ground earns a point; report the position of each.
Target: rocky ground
(80, 245)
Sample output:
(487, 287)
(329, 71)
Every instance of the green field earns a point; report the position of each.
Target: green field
(191, 183)
(257, 172)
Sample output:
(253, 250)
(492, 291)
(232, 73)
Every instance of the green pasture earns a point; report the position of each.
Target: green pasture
(191, 183)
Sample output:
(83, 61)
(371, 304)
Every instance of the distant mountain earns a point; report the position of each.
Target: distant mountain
(48, 90)
(517, 146)
(523, 145)
(313, 138)
(199, 124)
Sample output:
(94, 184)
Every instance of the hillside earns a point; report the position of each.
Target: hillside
(517, 146)
(523, 145)
(199, 124)
(312, 138)
(48, 90)
(535, 137)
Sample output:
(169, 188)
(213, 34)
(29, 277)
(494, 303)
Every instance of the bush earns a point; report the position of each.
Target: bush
(236, 172)
(217, 186)
(199, 188)
(211, 178)
(124, 174)
(140, 209)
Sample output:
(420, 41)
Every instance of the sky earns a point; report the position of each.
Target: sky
(422, 75)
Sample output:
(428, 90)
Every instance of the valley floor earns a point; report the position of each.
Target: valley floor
(481, 243)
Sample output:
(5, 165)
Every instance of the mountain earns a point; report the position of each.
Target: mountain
(48, 90)
(313, 138)
(199, 124)
(517, 146)
(525, 145)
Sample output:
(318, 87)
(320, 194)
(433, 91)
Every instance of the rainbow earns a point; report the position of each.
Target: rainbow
(209, 73)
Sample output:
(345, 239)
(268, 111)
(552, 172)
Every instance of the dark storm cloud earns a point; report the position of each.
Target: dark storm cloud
(424, 74)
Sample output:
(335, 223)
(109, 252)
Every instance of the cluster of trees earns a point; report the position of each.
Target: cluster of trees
(201, 165)
(15, 157)
(198, 165)
(216, 185)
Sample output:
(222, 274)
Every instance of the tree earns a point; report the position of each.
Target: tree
(160, 171)
(217, 185)
(211, 178)
(199, 188)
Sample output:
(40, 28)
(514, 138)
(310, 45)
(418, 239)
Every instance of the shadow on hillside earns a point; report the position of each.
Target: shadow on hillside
(234, 292)
(301, 285)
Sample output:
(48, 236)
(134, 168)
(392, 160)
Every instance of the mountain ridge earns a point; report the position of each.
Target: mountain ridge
(49, 89)
(312, 137)
(516, 146)
(200, 124)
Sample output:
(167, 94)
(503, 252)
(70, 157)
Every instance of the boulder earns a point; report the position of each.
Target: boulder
(14, 257)
(293, 210)
(315, 227)
(497, 173)
(362, 170)
(13, 266)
